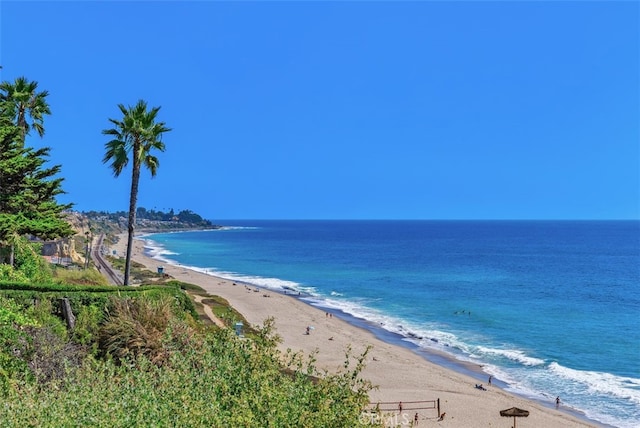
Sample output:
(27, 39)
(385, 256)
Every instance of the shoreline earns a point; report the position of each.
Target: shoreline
(402, 371)
(443, 359)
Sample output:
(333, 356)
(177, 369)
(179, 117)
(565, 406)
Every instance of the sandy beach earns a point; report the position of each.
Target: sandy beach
(400, 374)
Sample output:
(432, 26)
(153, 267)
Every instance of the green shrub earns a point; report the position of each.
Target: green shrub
(15, 344)
(135, 327)
(12, 314)
(29, 262)
(8, 273)
(44, 312)
(185, 286)
(159, 370)
(215, 381)
(11, 369)
(85, 277)
(88, 322)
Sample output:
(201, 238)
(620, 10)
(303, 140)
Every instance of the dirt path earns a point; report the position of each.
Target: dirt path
(207, 310)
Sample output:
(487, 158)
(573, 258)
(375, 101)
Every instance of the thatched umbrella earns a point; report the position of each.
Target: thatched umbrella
(515, 412)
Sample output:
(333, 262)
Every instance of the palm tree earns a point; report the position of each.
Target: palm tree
(21, 100)
(137, 133)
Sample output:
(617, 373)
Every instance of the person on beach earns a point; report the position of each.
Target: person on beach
(400, 407)
(415, 419)
(490, 377)
(557, 402)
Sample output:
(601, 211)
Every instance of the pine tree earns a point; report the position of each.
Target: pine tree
(28, 191)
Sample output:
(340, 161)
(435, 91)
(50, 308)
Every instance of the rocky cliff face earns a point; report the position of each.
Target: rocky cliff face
(76, 244)
(73, 247)
(87, 226)
(79, 222)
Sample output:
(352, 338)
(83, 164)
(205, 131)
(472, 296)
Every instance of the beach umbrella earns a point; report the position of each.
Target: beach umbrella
(515, 412)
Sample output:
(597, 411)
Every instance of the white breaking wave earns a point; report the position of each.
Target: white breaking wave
(599, 382)
(423, 336)
(157, 251)
(160, 253)
(513, 355)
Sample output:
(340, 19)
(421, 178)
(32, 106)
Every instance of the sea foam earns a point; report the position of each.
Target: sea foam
(601, 383)
(512, 354)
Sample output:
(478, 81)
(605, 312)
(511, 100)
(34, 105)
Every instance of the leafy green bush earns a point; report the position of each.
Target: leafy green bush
(85, 295)
(161, 369)
(14, 343)
(85, 276)
(217, 380)
(29, 262)
(184, 286)
(44, 313)
(88, 323)
(8, 273)
(11, 368)
(11, 314)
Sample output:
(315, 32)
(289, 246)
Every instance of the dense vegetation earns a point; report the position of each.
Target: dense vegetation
(138, 356)
(77, 352)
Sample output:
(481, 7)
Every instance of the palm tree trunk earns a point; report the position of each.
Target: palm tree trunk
(22, 124)
(133, 199)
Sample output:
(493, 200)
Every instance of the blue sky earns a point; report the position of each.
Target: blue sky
(340, 110)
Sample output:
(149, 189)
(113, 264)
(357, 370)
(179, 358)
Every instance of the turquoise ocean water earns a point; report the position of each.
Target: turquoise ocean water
(549, 308)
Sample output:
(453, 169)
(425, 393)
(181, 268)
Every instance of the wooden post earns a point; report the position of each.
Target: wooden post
(68, 313)
(438, 407)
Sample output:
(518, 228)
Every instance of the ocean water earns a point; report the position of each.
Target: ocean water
(549, 308)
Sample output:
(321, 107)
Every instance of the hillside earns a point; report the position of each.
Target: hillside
(89, 225)
(146, 220)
